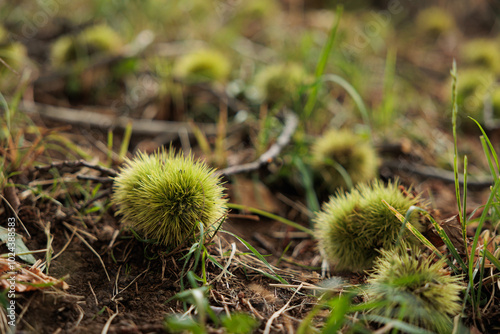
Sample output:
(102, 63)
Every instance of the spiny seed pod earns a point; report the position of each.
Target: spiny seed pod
(14, 54)
(203, 66)
(338, 151)
(482, 52)
(352, 227)
(434, 21)
(495, 101)
(415, 288)
(276, 83)
(3, 35)
(93, 40)
(164, 196)
(472, 87)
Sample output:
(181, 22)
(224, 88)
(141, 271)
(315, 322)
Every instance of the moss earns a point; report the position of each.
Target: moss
(415, 288)
(339, 151)
(164, 196)
(351, 228)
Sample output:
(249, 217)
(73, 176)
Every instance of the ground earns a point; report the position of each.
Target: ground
(69, 121)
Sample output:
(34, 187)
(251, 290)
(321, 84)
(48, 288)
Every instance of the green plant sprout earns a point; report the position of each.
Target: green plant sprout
(351, 228)
(343, 159)
(416, 288)
(163, 196)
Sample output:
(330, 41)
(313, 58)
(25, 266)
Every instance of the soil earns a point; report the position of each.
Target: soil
(117, 283)
(136, 292)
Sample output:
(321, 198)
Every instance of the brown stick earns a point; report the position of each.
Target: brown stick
(437, 173)
(291, 123)
(98, 120)
(77, 164)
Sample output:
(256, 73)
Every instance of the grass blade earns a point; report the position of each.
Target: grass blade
(492, 258)
(260, 257)
(455, 141)
(464, 206)
(125, 141)
(353, 93)
(442, 234)
(271, 216)
(320, 68)
(401, 325)
(413, 230)
(481, 222)
(308, 184)
(492, 149)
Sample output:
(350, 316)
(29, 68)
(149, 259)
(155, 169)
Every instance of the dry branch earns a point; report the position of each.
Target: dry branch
(291, 123)
(105, 122)
(437, 174)
(77, 164)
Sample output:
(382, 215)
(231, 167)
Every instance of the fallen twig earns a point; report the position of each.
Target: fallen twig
(291, 123)
(98, 179)
(276, 314)
(77, 164)
(105, 122)
(437, 174)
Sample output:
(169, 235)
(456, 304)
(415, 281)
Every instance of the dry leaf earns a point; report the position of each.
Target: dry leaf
(26, 279)
(453, 230)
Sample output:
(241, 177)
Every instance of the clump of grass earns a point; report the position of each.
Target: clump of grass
(202, 66)
(163, 196)
(343, 159)
(351, 228)
(415, 288)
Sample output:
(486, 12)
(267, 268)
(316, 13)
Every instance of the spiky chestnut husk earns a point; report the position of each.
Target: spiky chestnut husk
(472, 87)
(355, 154)
(434, 21)
(495, 101)
(14, 54)
(3, 35)
(165, 195)
(96, 39)
(202, 66)
(257, 9)
(276, 83)
(482, 52)
(352, 227)
(415, 288)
